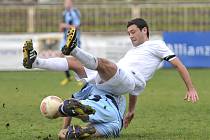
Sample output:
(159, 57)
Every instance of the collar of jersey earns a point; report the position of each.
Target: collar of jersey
(141, 45)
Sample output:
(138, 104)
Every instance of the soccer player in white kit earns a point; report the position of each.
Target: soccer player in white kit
(130, 74)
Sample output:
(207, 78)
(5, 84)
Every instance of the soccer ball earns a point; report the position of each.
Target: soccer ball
(49, 106)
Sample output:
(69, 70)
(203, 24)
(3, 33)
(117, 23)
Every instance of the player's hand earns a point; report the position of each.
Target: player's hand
(62, 27)
(128, 117)
(62, 134)
(191, 95)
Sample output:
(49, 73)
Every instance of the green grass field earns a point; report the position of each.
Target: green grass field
(161, 111)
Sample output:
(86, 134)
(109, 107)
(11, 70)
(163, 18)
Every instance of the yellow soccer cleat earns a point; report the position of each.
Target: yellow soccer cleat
(80, 83)
(74, 108)
(29, 54)
(71, 42)
(77, 132)
(65, 81)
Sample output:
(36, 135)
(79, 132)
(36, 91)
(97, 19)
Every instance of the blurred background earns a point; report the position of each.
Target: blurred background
(183, 24)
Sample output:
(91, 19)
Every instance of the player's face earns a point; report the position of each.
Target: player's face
(136, 35)
(68, 4)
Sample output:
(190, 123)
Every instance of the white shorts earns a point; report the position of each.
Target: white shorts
(122, 82)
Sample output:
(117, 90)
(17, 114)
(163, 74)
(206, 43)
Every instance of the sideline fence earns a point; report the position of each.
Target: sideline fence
(107, 17)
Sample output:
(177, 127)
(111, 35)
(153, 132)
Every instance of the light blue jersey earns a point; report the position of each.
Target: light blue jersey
(110, 109)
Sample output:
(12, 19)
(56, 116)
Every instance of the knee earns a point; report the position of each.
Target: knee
(65, 110)
(73, 108)
(104, 65)
(68, 108)
(75, 65)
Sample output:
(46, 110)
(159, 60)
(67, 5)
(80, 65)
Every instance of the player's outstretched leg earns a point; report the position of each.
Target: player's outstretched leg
(71, 42)
(78, 132)
(29, 54)
(74, 108)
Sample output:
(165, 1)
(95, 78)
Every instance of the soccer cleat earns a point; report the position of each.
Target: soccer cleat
(65, 81)
(74, 108)
(29, 54)
(77, 132)
(80, 83)
(71, 41)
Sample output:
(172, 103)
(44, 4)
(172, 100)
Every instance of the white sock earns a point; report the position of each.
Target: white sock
(90, 61)
(55, 64)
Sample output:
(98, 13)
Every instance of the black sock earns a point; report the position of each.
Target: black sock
(67, 73)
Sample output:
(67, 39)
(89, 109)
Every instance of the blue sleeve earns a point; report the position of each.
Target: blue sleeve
(63, 16)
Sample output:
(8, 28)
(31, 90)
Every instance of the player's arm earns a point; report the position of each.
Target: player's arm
(66, 122)
(64, 26)
(75, 24)
(62, 132)
(191, 94)
(131, 110)
(76, 21)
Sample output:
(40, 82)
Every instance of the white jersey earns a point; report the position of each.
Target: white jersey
(134, 69)
(145, 58)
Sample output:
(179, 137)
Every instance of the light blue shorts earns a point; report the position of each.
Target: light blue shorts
(107, 119)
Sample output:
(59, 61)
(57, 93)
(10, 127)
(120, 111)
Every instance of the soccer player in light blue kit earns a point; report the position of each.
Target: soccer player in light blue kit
(71, 17)
(103, 111)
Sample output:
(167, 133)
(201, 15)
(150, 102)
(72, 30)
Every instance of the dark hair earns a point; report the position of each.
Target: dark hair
(140, 23)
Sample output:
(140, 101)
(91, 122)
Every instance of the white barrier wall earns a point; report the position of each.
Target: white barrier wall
(112, 47)
(11, 49)
(11, 52)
